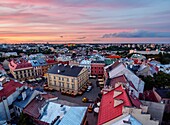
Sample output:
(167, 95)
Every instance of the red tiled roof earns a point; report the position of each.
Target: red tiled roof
(117, 79)
(22, 64)
(149, 96)
(33, 107)
(9, 88)
(113, 66)
(135, 101)
(113, 56)
(107, 110)
(51, 61)
(48, 96)
(122, 79)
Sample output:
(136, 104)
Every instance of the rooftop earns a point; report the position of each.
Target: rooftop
(74, 116)
(33, 107)
(65, 70)
(114, 65)
(52, 110)
(23, 103)
(163, 93)
(9, 88)
(108, 111)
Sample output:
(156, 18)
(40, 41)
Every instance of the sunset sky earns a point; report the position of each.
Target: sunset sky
(84, 21)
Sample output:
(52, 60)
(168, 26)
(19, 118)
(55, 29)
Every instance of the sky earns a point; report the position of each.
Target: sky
(95, 21)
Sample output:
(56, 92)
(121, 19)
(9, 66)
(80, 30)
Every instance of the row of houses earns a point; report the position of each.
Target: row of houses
(120, 102)
(38, 107)
(22, 69)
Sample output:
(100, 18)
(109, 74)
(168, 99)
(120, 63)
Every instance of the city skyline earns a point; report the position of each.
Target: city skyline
(84, 21)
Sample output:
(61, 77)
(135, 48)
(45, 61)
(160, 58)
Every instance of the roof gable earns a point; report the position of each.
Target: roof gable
(107, 110)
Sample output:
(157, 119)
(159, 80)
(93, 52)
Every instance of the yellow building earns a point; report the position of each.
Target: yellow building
(21, 70)
(67, 78)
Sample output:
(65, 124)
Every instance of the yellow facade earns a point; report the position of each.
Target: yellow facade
(68, 83)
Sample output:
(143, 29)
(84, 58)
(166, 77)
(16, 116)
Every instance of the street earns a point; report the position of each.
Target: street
(93, 94)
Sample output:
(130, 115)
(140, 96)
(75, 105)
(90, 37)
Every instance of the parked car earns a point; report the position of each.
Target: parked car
(90, 108)
(89, 88)
(86, 100)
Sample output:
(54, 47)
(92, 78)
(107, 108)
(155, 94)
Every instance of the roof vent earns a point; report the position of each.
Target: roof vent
(31, 88)
(71, 66)
(58, 71)
(59, 64)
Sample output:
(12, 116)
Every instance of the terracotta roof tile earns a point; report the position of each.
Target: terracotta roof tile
(9, 88)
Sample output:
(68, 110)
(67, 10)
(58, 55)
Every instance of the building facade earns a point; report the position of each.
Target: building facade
(8, 94)
(97, 68)
(67, 78)
(21, 70)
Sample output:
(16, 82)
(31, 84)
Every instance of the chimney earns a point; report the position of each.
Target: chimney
(24, 95)
(31, 88)
(59, 64)
(26, 87)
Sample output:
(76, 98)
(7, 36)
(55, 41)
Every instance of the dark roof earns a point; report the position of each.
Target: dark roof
(22, 103)
(66, 70)
(164, 93)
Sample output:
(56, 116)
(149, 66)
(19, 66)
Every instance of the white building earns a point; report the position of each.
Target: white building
(118, 69)
(86, 64)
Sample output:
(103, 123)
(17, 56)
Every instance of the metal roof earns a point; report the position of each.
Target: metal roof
(74, 116)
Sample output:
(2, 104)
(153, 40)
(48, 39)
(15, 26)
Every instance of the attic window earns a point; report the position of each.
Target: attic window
(117, 102)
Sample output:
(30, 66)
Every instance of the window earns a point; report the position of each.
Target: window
(62, 84)
(59, 78)
(54, 77)
(67, 85)
(72, 80)
(72, 86)
(62, 79)
(55, 83)
(67, 79)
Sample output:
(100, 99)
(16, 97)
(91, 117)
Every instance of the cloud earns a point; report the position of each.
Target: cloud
(82, 37)
(137, 34)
